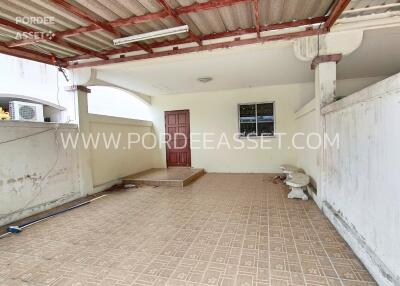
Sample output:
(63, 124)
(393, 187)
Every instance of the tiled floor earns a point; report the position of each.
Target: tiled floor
(224, 229)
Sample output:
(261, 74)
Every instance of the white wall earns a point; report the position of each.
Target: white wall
(36, 173)
(360, 192)
(345, 87)
(307, 119)
(38, 80)
(217, 112)
(111, 101)
(111, 164)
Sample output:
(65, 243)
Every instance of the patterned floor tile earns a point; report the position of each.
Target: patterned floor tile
(224, 229)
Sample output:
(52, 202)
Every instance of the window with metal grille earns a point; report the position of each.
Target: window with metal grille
(257, 119)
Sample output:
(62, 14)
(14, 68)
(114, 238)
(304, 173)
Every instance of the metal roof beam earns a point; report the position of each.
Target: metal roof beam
(335, 13)
(26, 54)
(101, 25)
(256, 11)
(212, 4)
(286, 36)
(285, 25)
(324, 59)
(15, 26)
(371, 8)
(78, 48)
(178, 20)
(85, 16)
(49, 38)
(196, 7)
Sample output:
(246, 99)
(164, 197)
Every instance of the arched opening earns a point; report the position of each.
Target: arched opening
(111, 101)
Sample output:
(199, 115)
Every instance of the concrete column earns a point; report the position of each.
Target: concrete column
(325, 83)
(325, 51)
(85, 170)
(325, 93)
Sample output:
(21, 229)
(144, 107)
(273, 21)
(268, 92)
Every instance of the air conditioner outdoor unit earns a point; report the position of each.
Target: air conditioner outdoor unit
(26, 111)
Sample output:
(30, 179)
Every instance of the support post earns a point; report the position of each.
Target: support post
(325, 82)
(325, 52)
(325, 77)
(325, 93)
(84, 154)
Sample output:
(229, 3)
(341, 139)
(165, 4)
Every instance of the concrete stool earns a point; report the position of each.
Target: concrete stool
(288, 167)
(288, 170)
(297, 182)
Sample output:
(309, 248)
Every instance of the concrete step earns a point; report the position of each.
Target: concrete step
(170, 177)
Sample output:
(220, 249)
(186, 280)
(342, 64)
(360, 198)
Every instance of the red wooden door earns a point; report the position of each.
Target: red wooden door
(177, 129)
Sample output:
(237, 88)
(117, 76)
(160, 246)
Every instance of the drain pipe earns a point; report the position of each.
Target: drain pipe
(19, 228)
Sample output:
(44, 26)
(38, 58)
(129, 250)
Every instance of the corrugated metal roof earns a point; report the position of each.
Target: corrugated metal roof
(201, 23)
(368, 7)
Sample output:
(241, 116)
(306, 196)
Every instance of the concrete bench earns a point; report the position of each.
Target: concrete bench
(297, 182)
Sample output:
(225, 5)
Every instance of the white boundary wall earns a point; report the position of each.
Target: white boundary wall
(109, 165)
(36, 173)
(360, 193)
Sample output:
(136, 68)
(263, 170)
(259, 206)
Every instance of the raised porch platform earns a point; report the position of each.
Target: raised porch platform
(171, 177)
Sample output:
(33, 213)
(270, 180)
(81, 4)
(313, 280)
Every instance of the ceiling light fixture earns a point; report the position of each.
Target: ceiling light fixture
(205, 79)
(151, 35)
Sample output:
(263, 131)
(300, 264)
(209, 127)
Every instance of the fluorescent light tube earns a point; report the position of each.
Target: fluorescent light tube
(151, 35)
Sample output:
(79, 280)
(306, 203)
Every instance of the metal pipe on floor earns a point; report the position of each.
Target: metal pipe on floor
(19, 228)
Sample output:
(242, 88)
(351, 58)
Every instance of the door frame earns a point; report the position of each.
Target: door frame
(189, 164)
